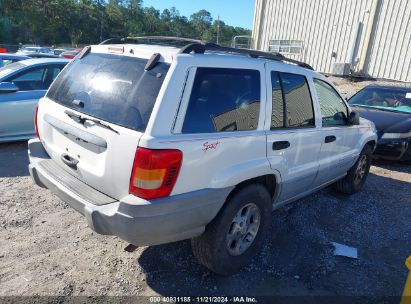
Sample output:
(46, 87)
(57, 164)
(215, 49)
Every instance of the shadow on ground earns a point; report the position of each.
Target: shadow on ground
(14, 159)
(297, 258)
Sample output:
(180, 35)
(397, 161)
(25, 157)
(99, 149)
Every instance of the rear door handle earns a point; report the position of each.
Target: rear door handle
(69, 161)
(281, 145)
(329, 139)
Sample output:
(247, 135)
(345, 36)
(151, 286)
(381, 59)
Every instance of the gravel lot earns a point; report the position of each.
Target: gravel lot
(46, 247)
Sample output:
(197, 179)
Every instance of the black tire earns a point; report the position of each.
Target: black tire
(406, 158)
(351, 183)
(211, 248)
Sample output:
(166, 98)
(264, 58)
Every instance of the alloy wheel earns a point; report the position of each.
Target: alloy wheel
(243, 229)
(361, 169)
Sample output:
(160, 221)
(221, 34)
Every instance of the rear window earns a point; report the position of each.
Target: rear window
(300, 112)
(223, 100)
(110, 87)
(292, 103)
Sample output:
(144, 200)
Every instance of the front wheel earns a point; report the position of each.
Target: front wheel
(235, 235)
(357, 175)
(406, 158)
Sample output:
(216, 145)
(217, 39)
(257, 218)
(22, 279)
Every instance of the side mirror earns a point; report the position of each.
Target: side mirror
(354, 118)
(8, 87)
(340, 116)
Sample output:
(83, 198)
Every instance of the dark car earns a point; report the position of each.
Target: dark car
(42, 55)
(389, 107)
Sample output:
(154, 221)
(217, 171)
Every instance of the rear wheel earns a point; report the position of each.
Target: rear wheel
(235, 235)
(357, 175)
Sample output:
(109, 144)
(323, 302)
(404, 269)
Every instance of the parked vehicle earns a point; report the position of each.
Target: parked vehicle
(6, 59)
(70, 54)
(42, 55)
(22, 84)
(156, 144)
(27, 50)
(59, 51)
(389, 107)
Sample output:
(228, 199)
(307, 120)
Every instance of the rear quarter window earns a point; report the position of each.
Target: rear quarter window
(111, 87)
(223, 100)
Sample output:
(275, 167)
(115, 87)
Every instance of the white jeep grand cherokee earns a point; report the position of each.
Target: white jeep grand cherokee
(156, 143)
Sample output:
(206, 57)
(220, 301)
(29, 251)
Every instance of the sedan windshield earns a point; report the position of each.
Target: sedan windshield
(392, 99)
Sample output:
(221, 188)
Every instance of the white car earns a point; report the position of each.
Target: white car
(28, 50)
(157, 143)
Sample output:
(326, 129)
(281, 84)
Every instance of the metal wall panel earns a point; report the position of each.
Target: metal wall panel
(330, 27)
(390, 55)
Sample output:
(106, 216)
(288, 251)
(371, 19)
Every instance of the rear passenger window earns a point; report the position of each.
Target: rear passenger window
(223, 100)
(291, 91)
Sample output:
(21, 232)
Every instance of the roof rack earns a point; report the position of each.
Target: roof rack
(152, 40)
(200, 47)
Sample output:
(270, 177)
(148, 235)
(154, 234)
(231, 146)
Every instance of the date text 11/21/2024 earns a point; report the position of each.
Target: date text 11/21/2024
(205, 299)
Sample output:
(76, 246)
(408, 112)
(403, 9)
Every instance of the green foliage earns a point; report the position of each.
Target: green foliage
(77, 22)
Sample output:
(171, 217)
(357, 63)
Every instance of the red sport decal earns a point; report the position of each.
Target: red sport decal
(210, 146)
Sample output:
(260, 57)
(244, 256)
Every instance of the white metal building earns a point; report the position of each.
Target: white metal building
(370, 37)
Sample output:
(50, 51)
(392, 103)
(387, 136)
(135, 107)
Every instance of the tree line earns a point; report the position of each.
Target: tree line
(80, 22)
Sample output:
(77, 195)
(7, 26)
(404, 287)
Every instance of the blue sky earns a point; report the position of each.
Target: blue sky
(232, 12)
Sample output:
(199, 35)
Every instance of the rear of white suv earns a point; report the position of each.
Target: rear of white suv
(90, 124)
(155, 144)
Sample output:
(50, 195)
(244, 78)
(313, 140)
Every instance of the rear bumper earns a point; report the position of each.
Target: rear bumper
(137, 221)
(393, 149)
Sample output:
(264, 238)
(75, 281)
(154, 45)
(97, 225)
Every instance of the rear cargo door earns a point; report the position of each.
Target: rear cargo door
(94, 114)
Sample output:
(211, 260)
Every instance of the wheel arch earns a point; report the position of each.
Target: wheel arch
(372, 144)
(269, 181)
(367, 137)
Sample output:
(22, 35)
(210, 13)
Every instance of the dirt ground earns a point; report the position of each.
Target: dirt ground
(46, 247)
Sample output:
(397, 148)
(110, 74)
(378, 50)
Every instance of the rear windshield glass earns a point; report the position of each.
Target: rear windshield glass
(113, 88)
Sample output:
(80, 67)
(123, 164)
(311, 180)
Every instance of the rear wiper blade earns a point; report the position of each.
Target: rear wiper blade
(81, 119)
(75, 116)
(102, 124)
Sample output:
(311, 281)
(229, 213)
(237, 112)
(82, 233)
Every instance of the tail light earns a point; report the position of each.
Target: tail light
(35, 122)
(155, 172)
